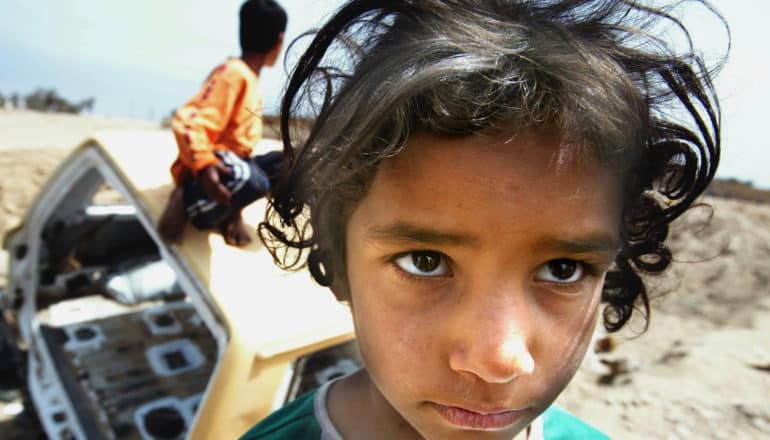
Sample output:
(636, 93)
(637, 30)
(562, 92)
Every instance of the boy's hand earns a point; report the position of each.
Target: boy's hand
(212, 185)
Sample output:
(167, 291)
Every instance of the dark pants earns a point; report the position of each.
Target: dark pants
(247, 181)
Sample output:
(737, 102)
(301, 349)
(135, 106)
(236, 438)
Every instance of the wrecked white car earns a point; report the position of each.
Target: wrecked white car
(129, 338)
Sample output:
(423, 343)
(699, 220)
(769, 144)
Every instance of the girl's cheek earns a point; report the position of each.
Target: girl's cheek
(573, 311)
(574, 335)
(395, 346)
(396, 317)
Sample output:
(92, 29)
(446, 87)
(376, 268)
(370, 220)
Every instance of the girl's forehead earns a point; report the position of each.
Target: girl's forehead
(523, 174)
(511, 201)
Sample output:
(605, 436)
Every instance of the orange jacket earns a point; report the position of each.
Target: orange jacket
(225, 114)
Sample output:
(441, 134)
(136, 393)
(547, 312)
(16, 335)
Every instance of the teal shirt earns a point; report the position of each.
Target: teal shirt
(297, 420)
(294, 421)
(558, 424)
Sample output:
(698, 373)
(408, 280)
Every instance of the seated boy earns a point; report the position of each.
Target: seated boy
(216, 130)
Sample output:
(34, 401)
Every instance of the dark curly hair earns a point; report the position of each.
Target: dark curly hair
(596, 70)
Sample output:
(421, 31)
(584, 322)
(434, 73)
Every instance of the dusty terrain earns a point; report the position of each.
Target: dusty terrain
(702, 370)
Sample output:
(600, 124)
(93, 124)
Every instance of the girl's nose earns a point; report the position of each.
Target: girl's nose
(493, 349)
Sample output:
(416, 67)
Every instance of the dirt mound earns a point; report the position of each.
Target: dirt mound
(734, 189)
(702, 370)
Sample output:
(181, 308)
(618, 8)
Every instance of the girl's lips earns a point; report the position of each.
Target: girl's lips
(469, 419)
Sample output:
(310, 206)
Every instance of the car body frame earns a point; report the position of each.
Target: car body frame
(127, 336)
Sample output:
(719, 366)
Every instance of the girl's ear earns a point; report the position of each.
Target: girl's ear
(339, 288)
(319, 263)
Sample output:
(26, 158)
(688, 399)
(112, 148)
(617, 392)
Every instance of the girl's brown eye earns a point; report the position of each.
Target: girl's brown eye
(426, 261)
(562, 270)
(423, 263)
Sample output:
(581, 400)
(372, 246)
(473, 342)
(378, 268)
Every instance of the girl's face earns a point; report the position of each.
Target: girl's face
(475, 268)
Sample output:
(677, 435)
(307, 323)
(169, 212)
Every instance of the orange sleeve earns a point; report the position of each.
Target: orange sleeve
(199, 123)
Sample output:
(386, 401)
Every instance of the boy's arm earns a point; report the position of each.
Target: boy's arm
(199, 123)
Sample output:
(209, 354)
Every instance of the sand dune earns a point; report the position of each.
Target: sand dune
(21, 130)
(702, 370)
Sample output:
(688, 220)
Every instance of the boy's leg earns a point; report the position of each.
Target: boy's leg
(246, 182)
(250, 182)
(234, 230)
(172, 222)
(270, 163)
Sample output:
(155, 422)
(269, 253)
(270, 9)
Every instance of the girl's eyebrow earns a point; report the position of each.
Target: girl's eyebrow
(402, 232)
(592, 243)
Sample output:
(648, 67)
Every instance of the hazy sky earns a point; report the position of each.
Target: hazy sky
(143, 58)
(138, 58)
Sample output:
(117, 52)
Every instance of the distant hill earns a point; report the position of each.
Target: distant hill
(734, 189)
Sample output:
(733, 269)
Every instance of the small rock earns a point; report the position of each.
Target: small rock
(683, 431)
(605, 344)
(765, 368)
(13, 409)
(761, 423)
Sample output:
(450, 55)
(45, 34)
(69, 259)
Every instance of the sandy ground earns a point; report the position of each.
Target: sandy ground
(21, 130)
(702, 370)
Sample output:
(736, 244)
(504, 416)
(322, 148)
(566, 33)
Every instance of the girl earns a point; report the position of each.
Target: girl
(480, 177)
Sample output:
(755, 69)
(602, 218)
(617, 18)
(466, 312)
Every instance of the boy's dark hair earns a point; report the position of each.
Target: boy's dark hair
(261, 23)
(595, 70)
